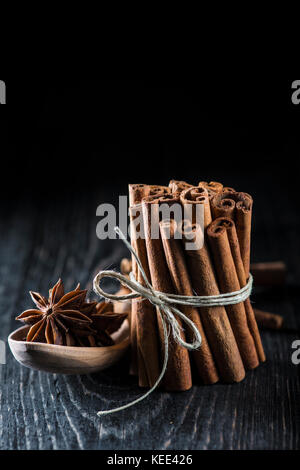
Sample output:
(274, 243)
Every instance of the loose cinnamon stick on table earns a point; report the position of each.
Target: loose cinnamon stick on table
(215, 321)
(269, 273)
(178, 373)
(229, 282)
(229, 225)
(174, 253)
(268, 320)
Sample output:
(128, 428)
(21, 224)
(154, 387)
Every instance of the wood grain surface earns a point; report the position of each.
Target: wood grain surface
(41, 241)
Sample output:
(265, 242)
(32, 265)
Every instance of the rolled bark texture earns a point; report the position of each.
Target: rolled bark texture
(229, 225)
(178, 374)
(143, 315)
(197, 196)
(136, 193)
(215, 321)
(174, 254)
(178, 186)
(217, 233)
(237, 206)
(213, 188)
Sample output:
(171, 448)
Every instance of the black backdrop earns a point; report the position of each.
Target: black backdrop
(67, 146)
(71, 135)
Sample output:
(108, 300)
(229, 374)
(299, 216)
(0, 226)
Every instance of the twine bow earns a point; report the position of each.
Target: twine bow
(166, 309)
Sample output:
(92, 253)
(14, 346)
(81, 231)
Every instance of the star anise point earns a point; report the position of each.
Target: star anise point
(68, 319)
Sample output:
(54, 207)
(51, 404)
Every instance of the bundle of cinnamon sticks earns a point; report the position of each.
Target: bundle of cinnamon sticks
(231, 342)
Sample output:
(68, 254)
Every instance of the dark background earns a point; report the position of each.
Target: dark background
(71, 135)
(69, 145)
(65, 139)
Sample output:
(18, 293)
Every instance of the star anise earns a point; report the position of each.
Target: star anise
(68, 319)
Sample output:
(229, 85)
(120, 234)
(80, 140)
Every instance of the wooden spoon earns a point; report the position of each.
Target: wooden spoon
(68, 359)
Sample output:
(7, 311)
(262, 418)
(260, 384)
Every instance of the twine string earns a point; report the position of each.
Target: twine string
(167, 310)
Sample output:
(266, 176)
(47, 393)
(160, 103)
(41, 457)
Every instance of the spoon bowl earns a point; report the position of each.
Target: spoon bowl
(68, 359)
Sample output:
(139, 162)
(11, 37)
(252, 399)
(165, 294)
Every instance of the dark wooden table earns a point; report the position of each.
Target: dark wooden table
(41, 241)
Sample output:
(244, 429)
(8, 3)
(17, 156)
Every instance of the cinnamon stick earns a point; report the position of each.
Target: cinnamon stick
(178, 373)
(269, 273)
(136, 193)
(223, 205)
(146, 324)
(214, 319)
(178, 186)
(197, 196)
(268, 320)
(238, 206)
(200, 267)
(145, 352)
(243, 227)
(182, 285)
(214, 187)
(228, 189)
(229, 225)
(229, 282)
